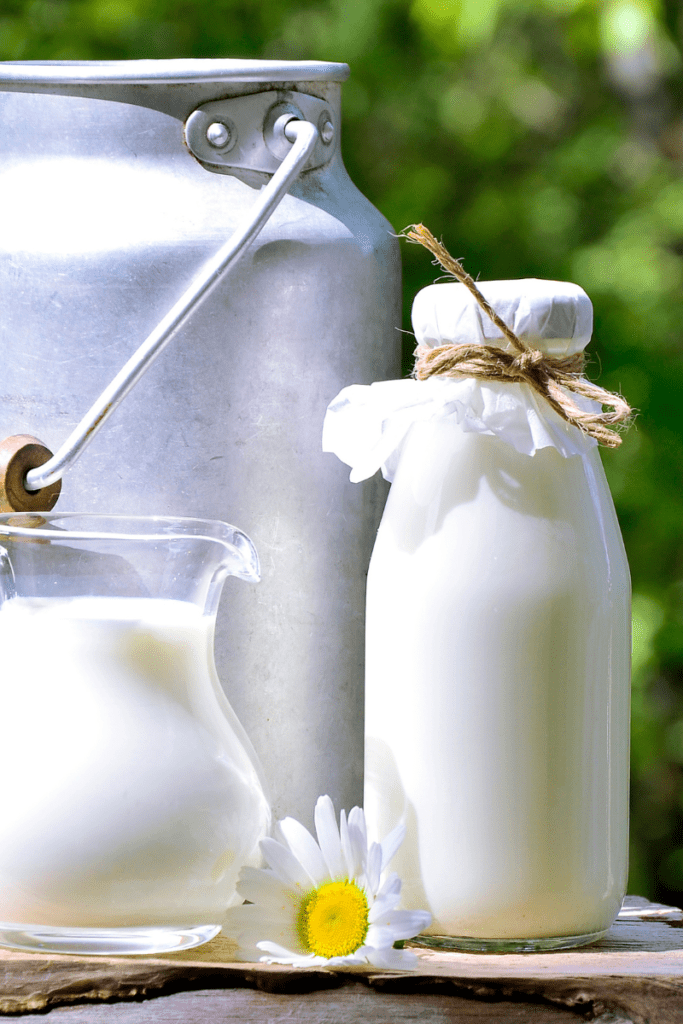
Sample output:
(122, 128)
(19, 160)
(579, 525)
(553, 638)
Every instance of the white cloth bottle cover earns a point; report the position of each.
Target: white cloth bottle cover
(366, 425)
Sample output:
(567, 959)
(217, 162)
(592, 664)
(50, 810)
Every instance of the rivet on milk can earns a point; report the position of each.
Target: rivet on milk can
(134, 186)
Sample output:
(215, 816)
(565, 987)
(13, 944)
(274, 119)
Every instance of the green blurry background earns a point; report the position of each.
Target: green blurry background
(539, 138)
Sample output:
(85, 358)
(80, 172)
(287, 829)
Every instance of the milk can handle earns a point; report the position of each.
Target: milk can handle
(304, 136)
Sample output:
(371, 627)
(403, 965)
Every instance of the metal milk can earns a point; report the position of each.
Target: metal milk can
(129, 189)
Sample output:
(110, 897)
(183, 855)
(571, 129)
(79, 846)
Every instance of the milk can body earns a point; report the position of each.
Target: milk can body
(497, 689)
(107, 215)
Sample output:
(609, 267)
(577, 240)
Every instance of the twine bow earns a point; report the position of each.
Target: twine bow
(550, 377)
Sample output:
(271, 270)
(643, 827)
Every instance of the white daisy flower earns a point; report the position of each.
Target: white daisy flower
(326, 903)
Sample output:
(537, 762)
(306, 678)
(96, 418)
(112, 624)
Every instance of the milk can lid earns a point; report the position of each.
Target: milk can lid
(556, 316)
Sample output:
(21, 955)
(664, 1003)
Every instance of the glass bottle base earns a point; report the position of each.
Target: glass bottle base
(105, 941)
(470, 944)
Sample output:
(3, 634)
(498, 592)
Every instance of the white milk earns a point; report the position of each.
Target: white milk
(128, 797)
(497, 687)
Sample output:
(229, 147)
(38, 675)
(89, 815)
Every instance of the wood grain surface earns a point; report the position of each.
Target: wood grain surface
(348, 1005)
(633, 975)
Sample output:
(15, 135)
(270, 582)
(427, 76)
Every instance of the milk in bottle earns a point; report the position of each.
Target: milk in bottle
(498, 638)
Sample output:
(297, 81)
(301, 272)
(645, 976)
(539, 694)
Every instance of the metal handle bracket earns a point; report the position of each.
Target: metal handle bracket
(239, 132)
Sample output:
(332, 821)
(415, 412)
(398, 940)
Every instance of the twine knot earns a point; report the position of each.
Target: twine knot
(550, 377)
(526, 361)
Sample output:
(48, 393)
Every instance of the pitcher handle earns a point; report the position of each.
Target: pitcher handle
(304, 136)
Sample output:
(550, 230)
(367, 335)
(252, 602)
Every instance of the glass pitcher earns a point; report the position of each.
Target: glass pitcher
(131, 795)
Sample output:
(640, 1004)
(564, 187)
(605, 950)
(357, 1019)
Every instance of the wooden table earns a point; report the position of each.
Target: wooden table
(633, 975)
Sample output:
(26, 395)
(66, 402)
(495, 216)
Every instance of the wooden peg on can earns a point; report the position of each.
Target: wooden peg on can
(19, 454)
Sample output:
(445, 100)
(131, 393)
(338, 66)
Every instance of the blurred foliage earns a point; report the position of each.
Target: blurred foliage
(540, 138)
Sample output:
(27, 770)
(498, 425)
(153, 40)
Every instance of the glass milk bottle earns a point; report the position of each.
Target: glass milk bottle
(498, 637)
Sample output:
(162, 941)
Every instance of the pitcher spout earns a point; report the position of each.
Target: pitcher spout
(241, 557)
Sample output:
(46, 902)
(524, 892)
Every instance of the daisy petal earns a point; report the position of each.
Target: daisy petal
(305, 849)
(373, 867)
(391, 886)
(357, 845)
(263, 888)
(285, 865)
(403, 924)
(347, 849)
(352, 960)
(277, 950)
(392, 959)
(380, 936)
(391, 843)
(328, 837)
(279, 955)
(249, 924)
(357, 825)
(255, 942)
(383, 905)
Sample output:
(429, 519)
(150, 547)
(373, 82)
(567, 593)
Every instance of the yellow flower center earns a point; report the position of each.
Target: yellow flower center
(333, 919)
